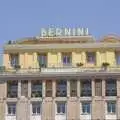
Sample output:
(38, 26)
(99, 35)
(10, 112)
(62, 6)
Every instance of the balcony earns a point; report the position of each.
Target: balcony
(58, 69)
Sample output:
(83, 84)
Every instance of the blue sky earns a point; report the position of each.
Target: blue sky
(24, 18)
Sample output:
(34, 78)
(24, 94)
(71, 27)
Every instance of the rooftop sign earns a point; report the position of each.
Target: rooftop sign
(52, 32)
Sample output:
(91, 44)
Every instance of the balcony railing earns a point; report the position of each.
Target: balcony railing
(60, 69)
(111, 92)
(86, 92)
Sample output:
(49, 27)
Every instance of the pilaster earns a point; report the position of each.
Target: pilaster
(19, 88)
(78, 88)
(93, 87)
(29, 88)
(68, 88)
(59, 59)
(35, 63)
(43, 88)
(103, 87)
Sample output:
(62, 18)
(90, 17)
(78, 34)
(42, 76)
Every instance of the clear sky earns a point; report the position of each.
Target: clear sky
(24, 18)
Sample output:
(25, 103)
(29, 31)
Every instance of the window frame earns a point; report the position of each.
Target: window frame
(14, 59)
(12, 108)
(91, 55)
(108, 87)
(61, 88)
(42, 59)
(112, 108)
(62, 112)
(86, 86)
(117, 54)
(85, 104)
(34, 104)
(67, 59)
(36, 88)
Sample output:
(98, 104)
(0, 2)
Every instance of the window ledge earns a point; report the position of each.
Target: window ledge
(11, 115)
(60, 113)
(111, 113)
(36, 114)
(85, 114)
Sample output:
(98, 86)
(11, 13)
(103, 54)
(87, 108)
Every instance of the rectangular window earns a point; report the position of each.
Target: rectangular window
(14, 59)
(111, 107)
(66, 59)
(61, 88)
(86, 88)
(12, 89)
(118, 58)
(98, 87)
(86, 107)
(111, 88)
(91, 57)
(42, 60)
(36, 87)
(48, 88)
(73, 88)
(61, 108)
(36, 108)
(11, 108)
(24, 88)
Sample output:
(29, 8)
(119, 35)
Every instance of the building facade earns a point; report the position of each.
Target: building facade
(61, 78)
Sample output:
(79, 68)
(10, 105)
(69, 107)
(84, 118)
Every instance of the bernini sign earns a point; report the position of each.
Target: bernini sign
(51, 32)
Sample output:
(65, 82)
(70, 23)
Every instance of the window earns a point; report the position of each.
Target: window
(24, 88)
(11, 108)
(111, 107)
(98, 87)
(61, 88)
(61, 108)
(86, 107)
(111, 88)
(36, 108)
(14, 59)
(49, 88)
(42, 60)
(73, 88)
(91, 57)
(86, 88)
(36, 88)
(118, 58)
(66, 59)
(12, 89)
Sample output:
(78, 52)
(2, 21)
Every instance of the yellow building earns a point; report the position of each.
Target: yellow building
(61, 78)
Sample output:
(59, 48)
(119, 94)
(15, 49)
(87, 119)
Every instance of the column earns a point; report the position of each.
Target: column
(93, 87)
(83, 57)
(103, 87)
(29, 88)
(78, 88)
(59, 59)
(53, 95)
(43, 88)
(74, 59)
(68, 88)
(35, 63)
(118, 100)
(98, 59)
(54, 88)
(6, 60)
(25, 60)
(21, 60)
(2, 109)
(19, 88)
(118, 87)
